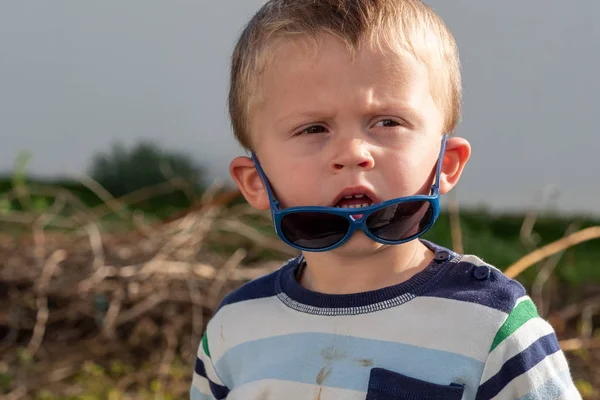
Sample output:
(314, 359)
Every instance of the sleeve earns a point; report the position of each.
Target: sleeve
(525, 360)
(206, 385)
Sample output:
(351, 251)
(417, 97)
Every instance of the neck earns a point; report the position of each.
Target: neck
(337, 272)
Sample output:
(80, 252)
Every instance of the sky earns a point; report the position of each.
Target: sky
(75, 77)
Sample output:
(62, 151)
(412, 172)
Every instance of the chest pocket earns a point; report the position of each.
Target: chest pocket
(388, 385)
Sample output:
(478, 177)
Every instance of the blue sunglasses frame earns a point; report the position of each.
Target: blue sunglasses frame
(354, 223)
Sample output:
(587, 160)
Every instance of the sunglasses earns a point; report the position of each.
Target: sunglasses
(319, 228)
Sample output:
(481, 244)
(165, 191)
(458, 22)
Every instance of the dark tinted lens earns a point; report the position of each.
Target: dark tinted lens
(400, 221)
(314, 230)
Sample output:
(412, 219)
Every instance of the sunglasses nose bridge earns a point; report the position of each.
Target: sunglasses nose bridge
(358, 222)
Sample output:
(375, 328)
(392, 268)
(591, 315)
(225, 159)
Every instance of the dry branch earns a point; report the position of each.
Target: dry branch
(544, 252)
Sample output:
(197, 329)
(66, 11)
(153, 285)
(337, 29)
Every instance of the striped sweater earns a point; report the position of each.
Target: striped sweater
(457, 330)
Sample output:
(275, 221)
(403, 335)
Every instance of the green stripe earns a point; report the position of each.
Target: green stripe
(205, 345)
(522, 313)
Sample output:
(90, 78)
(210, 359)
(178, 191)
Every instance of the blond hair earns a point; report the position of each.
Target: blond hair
(407, 25)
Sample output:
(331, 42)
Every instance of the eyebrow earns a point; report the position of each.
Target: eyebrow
(312, 114)
(399, 109)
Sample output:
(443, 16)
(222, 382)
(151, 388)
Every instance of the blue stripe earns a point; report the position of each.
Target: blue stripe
(195, 394)
(552, 388)
(219, 391)
(199, 368)
(342, 362)
(518, 365)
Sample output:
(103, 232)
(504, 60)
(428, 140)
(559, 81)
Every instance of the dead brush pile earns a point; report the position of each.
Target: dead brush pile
(83, 296)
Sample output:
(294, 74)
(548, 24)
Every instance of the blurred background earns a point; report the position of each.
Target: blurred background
(120, 229)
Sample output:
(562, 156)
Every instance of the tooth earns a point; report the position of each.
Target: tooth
(365, 205)
(359, 196)
(347, 197)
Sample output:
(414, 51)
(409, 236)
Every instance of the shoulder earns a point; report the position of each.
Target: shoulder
(471, 279)
(263, 287)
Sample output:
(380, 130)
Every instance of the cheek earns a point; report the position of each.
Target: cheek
(294, 182)
(407, 174)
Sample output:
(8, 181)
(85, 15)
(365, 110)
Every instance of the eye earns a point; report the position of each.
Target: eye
(388, 123)
(313, 129)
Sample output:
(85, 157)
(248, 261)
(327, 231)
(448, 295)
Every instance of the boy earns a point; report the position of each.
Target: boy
(345, 106)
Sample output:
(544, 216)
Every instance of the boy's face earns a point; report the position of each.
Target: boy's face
(331, 126)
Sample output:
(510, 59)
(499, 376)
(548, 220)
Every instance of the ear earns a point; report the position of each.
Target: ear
(244, 173)
(458, 152)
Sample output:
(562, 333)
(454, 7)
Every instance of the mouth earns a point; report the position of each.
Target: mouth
(355, 198)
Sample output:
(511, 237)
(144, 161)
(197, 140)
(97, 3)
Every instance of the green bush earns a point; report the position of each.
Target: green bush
(122, 171)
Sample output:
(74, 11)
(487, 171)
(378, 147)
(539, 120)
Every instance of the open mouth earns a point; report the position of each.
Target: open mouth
(354, 201)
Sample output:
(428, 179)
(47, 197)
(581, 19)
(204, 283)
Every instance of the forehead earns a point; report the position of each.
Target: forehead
(310, 59)
(306, 74)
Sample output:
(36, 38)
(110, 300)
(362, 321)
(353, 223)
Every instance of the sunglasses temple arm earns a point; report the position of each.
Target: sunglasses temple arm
(436, 186)
(263, 178)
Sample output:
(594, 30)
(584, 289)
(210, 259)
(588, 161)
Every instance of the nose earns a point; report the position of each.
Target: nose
(351, 153)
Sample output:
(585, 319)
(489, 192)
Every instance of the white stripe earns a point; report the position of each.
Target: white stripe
(549, 368)
(571, 394)
(201, 384)
(277, 390)
(431, 322)
(521, 339)
(208, 366)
